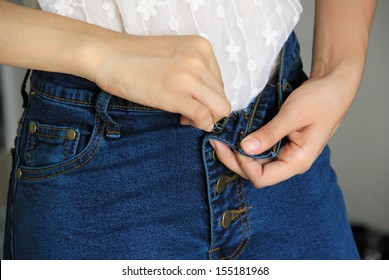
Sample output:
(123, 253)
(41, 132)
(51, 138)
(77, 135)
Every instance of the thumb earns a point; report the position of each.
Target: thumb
(268, 135)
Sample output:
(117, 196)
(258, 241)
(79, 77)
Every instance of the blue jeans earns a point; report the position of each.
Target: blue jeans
(98, 177)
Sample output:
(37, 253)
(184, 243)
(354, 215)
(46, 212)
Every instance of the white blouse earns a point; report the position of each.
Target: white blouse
(246, 35)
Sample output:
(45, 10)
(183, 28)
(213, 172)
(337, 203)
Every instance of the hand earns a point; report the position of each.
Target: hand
(309, 117)
(178, 74)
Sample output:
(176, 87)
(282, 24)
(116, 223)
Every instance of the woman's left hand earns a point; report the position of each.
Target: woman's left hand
(309, 117)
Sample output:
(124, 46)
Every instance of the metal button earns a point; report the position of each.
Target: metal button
(19, 173)
(222, 183)
(32, 127)
(230, 216)
(71, 134)
(226, 219)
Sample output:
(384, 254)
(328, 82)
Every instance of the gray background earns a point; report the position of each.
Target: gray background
(360, 146)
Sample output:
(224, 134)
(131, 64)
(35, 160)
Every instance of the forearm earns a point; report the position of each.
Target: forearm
(38, 40)
(341, 37)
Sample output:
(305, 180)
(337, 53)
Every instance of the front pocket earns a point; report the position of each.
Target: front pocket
(49, 144)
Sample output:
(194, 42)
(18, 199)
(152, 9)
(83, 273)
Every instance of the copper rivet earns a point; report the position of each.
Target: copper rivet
(19, 173)
(32, 127)
(71, 134)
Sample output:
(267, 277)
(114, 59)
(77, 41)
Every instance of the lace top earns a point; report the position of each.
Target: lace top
(246, 35)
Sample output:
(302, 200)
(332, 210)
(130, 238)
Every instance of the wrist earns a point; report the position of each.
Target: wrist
(350, 71)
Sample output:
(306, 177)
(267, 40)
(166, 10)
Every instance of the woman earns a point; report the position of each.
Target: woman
(103, 167)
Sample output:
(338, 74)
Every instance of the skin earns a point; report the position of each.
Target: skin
(180, 74)
(313, 112)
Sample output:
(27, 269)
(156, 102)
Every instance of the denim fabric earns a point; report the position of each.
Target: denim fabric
(98, 177)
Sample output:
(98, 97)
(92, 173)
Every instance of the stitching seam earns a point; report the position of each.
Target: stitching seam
(248, 222)
(243, 231)
(76, 159)
(68, 170)
(90, 103)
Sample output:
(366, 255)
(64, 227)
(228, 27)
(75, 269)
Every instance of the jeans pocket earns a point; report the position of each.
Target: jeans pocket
(56, 138)
(49, 144)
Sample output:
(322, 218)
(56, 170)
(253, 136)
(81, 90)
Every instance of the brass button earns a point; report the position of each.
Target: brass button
(230, 216)
(226, 219)
(222, 184)
(32, 127)
(224, 181)
(71, 134)
(19, 173)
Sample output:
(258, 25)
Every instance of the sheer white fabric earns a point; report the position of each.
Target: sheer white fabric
(246, 35)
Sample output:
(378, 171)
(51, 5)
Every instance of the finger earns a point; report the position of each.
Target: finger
(215, 81)
(207, 71)
(267, 136)
(258, 173)
(227, 157)
(217, 103)
(194, 112)
(185, 121)
(264, 160)
(215, 68)
(291, 160)
(251, 167)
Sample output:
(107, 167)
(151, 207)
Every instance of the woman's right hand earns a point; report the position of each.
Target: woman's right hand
(178, 74)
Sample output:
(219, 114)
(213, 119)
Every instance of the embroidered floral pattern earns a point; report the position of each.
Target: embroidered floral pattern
(195, 4)
(251, 65)
(220, 11)
(147, 8)
(109, 8)
(63, 7)
(270, 36)
(173, 24)
(233, 51)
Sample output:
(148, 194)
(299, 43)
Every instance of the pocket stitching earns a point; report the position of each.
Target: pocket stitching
(33, 138)
(97, 134)
(67, 170)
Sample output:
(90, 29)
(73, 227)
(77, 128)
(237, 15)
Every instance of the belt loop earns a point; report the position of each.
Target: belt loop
(112, 129)
(23, 88)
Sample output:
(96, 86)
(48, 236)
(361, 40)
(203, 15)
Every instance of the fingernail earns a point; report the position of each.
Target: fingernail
(212, 144)
(250, 145)
(210, 128)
